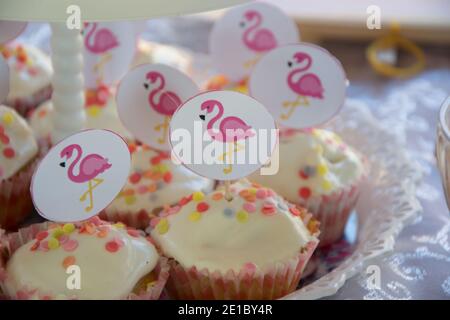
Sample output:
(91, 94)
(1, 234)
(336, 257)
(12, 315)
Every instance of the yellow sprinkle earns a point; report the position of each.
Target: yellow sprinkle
(57, 233)
(93, 111)
(119, 225)
(130, 200)
(322, 169)
(198, 196)
(195, 216)
(68, 228)
(241, 89)
(8, 118)
(242, 216)
(327, 185)
(252, 191)
(53, 243)
(162, 226)
(162, 168)
(151, 284)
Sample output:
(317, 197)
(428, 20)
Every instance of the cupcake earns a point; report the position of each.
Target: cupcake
(18, 159)
(30, 75)
(319, 171)
(151, 52)
(113, 262)
(221, 82)
(154, 182)
(252, 247)
(101, 113)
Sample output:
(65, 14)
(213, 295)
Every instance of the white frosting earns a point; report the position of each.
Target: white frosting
(326, 162)
(183, 182)
(104, 117)
(104, 274)
(27, 78)
(17, 144)
(149, 52)
(227, 237)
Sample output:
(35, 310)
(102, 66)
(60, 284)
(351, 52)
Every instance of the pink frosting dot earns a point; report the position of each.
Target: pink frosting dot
(70, 245)
(249, 207)
(261, 193)
(142, 189)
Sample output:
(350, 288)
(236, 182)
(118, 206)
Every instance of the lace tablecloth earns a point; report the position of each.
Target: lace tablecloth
(419, 267)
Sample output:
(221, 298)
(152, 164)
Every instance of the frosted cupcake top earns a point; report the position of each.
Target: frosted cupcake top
(30, 69)
(149, 52)
(155, 181)
(17, 144)
(312, 163)
(255, 230)
(101, 113)
(111, 260)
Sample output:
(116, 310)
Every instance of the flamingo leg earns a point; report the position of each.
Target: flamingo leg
(251, 63)
(89, 192)
(99, 66)
(164, 126)
(300, 101)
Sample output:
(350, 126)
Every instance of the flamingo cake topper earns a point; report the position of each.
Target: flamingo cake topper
(109, 48)
(303, 85)
(80, 176)
(251, 30)
(148, 96)
(233, 122)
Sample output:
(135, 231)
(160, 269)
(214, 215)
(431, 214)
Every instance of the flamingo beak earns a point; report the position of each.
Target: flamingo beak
(62, 164)
(202, 117)
(146, 85)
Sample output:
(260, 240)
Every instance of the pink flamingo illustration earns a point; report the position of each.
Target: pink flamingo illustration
(257, 39)
(90, 167)
(308, 85)
(100, 42)
(231, 130)
(166, 105)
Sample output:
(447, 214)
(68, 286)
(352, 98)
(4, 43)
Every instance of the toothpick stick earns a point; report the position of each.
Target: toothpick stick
(228, 195)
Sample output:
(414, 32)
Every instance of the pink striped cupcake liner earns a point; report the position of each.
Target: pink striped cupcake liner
(248, 284)
(11, 242)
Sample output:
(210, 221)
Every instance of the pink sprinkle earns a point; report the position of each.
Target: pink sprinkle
(41, 235)
(133, 232)
(96, 220)
(44, 246)
(250, 266)
(70, 245)
(173, 210)
(261, 193)
(249, 207)
(142, 189)
(154, 222)
(63, 239)
(111, 246)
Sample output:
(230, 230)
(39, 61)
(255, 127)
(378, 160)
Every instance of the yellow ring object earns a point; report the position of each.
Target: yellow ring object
(393, 41)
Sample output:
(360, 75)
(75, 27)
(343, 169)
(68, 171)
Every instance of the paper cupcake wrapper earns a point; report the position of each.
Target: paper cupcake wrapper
(24, 105)
(333, 211)
(282, 279)
(11, 242)
(137, 220)
(15, 197)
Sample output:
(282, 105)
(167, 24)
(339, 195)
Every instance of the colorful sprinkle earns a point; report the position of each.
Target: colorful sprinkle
(129, 200)
(167, 177)
(53, 243)
(135, 178)
(304, 192)
(198, 196)
(202, 207)
(261, 193)
(70, 245)
(194, 216)
(8, 118)
(163, 226)
(68, 261)
(68, 228)
(57, 233)
(242, 216)
(217, 196)
(119, 225)
(63, 239)
(228, 212)
(249, 207)
(294, 211)
(41, 235)
(133, 232)
(9, 153)
(327, 185)
(322, 169)
(112, 246)
(268, 209)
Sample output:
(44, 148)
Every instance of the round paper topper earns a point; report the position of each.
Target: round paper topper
(222, 135)
(109, 48)
(247, 32)
(302, 85)
(80, 176)
(4, 79)
(148, 96)
(9, 30)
